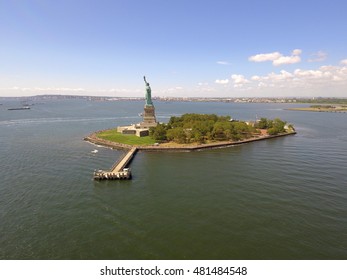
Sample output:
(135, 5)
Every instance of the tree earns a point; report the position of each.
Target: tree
(262, 123)
(241, 130)
(202, 127)
(176, 134)
(277, 127)
(198, 137)
(159, 132)
(220, 129)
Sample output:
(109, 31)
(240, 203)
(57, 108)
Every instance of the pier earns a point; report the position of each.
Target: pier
(119, 170)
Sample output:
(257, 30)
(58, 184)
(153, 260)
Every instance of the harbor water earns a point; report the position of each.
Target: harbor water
(284, 198)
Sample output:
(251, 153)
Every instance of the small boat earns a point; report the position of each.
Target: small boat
(94, 151)
(20, 108)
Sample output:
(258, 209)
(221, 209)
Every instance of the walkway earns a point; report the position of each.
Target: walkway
(119, 166)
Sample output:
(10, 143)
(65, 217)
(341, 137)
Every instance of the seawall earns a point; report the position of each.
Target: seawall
(115, 145)
(98, 141)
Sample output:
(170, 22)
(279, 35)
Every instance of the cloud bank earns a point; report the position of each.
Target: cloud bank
(277, 58)
(323, 77)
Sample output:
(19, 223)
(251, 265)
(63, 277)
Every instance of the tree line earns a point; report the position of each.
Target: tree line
(200, 128)
(273, 127)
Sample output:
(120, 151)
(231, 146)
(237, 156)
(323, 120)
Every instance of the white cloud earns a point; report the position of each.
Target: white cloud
(223, 62)
(344, 62)
(316, 81)
(318, 56)
(284, 75)
(277, 58)
(308, 74)
(286, 60)
(323, 76)
(296, 52)
(239, 79)
(204, 88)
(265, 57)
(222, 82)
(327, 68)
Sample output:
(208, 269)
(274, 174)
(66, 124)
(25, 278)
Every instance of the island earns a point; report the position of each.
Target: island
(195, 132)
(334, 108)
(188, 132)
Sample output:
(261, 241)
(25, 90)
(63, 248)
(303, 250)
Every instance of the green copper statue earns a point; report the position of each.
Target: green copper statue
(148, 93)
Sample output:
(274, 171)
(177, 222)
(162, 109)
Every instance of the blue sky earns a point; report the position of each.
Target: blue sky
(185, 48)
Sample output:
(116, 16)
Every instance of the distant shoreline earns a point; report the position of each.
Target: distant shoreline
(325, 110)
(92, 138)
(264, 99)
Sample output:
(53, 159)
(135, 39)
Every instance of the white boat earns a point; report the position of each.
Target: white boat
(19, 108)
(94, 151)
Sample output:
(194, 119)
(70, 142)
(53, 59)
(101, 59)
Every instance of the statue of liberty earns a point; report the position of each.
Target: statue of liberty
(148, 93)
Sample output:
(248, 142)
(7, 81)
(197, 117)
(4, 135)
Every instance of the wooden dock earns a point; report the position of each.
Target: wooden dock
(119, 170)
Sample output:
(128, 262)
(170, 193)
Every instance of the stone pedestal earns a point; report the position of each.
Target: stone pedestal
(149, 119)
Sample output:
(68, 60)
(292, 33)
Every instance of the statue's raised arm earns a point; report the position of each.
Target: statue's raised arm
(144, 77)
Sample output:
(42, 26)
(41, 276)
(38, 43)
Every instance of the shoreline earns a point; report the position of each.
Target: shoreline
(92, 138)
(318, 110)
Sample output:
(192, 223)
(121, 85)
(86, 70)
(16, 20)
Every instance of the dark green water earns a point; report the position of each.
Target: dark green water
(284, 198)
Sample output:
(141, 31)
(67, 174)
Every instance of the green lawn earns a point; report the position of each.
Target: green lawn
(114, 136)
